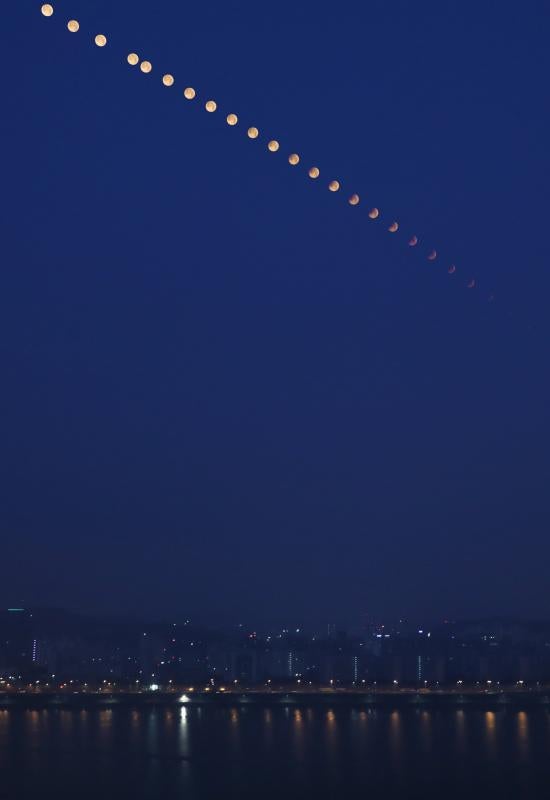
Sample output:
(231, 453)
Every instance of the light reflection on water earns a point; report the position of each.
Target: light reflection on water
(491, 733)
(207, 752)
(395, 737)
(523, 734)
(299, 734)
(460, 725)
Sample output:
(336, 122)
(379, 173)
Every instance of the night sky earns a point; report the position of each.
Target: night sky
(225, 393)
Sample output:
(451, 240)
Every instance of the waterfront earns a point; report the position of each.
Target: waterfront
(200, 752)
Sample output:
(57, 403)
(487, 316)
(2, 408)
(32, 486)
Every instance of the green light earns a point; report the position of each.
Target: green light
(16, 609)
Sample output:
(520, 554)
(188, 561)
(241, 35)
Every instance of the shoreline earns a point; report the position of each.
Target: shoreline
(436, 699)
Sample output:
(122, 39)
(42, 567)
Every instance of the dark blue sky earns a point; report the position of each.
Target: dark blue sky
(227, 394)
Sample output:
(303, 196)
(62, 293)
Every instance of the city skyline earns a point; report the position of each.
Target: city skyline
(48, 651)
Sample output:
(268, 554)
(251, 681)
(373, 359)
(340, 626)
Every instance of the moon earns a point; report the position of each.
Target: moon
(393, 227)
(73, 25)
(471, 283)
(273, 145)
(374, 213)
(146, 66)
(314, 172)
(232, 119)
(47, 10)
(452, 269)
(100, 40)
(413, 241)
(133, 59)
(333, 186)
(353, 200)
(189, 93)
(253, 133)
(433, 255)
(210, 106)
(294, 159)
(168, 80)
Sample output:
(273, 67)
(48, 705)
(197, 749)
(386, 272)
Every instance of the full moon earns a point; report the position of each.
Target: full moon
(210, 105)
(314, 172)
(353, 200)
(168, 80)
(100, 40)
(146, 66)
(374, 213)
(273, 145)
(133, 59)
(294, 159)
(252, 133)
(333, 186)
(47, 10)
(73, 25)
(232, 119)
(189, 93)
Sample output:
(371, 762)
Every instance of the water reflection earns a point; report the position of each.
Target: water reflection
(426, 730)
(460, 717)
(298, 731)
(235, 734)
(178, 753)
(183, 732)
(331, 741)
(268, 728)
(395, 733)
(523, 734)
(66, 720)
(490, 732)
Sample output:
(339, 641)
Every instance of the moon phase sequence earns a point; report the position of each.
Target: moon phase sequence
(273, 145)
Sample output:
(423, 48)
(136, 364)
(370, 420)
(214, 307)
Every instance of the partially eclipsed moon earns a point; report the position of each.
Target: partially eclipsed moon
(413, 241)
(374, 213)
(353, 200)
(452, 269)
(471, 283)
(433, 255)
(100, 40)
(333, 186)
(393, 227)
(314, 172)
